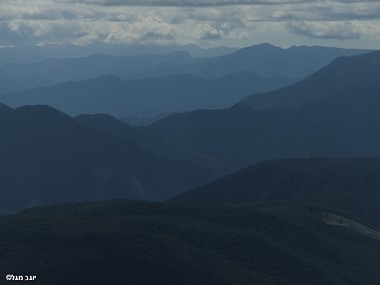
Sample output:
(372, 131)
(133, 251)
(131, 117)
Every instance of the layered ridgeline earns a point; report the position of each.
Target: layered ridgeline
(18, 76)
(122, 242)
(48, 157)
(264, 59)
(342, 123)
(182, 83)
(147, 97)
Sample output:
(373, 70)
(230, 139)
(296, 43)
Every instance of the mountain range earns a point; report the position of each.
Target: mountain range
(144, 87)
(285, 185)
(98, 157)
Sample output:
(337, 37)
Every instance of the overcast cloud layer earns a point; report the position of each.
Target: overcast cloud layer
(346, 23)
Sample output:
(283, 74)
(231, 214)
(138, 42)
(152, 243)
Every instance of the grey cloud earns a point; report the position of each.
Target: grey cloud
(206, 21)
(355, 1)
(187, 3)
(156, 36)
(325, 30)
(211, 36)
(323, 12)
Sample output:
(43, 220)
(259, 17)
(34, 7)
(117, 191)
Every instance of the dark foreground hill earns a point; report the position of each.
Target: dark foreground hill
(48, 157)
(122, 242)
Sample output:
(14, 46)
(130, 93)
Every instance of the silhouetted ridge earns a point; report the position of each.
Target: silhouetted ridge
(48, 157)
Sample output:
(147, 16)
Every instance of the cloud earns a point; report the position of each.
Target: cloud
(186, 3)
(206, 22)
(326, 30)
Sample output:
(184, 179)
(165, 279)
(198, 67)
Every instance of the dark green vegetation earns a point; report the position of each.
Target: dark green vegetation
(48, 157)
(122, 242)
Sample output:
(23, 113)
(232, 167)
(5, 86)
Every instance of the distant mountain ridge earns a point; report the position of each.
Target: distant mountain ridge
(53, 71)
(145, 97)
(32, 53)
(269, 61)
(264, 59)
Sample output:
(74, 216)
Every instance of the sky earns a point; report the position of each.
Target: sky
(208, 23)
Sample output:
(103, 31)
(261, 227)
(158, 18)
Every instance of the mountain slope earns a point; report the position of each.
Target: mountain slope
(290, 179)
(345, 122)
(298, 189)
(344, 73)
